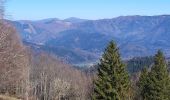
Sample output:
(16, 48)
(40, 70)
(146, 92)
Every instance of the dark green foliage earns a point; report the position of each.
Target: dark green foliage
(134, 65)
(137, 64)
(169, 66)
(113, 81)
(157, 86)
(142, 84)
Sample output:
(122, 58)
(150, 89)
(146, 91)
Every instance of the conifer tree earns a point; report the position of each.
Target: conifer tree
(142, 83)
(158, 82)
(112, 82)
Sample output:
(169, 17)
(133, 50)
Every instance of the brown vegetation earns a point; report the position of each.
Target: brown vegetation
(37, 77)
(53, 80)
(13, 62)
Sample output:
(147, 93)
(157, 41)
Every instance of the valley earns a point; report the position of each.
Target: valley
(79, 41)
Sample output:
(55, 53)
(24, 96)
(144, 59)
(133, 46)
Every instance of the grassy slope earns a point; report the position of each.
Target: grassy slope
(3, 97)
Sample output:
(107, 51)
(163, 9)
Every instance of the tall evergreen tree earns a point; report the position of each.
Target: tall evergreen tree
(158, 82)
(142, 84)
(113, 81)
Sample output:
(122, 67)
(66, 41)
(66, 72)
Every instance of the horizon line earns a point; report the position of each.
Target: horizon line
(85, 18)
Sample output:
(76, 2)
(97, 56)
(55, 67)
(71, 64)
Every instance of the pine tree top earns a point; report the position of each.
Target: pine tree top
(113, 80)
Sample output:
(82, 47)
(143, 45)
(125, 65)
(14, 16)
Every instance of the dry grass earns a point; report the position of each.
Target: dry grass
(3, 97)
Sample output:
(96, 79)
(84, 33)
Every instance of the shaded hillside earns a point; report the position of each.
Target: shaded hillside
(135, 36)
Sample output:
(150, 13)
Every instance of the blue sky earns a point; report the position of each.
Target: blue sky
(87, 9)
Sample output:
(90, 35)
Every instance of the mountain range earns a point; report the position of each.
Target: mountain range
(80, 41)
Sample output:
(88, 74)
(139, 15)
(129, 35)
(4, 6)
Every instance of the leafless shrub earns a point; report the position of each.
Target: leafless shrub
(13, 61)
(53, 80)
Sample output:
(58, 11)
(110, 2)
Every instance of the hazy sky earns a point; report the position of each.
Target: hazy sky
(88, 9)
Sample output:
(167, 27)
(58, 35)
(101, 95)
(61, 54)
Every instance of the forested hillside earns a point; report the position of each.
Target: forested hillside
(14, 62)
(28, 75)
(83, 41)
(124, 58)
(31, 76)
